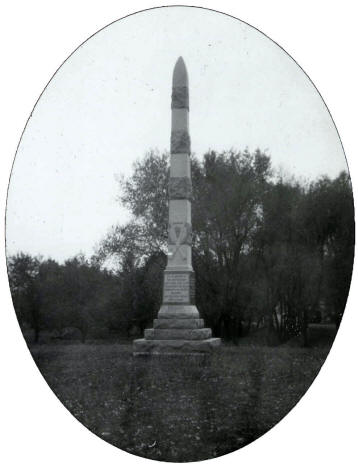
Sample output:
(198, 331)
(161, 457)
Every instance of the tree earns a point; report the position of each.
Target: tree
(228, 188)
(51, 296)
(227, 194)
(22, 271)
(88, 298)
(265, 249)
(299, 240)
(333, 213)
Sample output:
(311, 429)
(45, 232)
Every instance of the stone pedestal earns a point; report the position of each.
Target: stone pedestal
(178, 328)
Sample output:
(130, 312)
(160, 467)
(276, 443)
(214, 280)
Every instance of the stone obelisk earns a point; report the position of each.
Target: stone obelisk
(178, 328)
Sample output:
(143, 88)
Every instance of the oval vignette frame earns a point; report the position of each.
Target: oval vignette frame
(176, 6)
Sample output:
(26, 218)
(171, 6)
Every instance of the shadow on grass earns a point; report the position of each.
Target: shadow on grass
(178, 408)
(181, 409)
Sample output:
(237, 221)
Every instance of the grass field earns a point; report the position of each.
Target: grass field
(178, 409)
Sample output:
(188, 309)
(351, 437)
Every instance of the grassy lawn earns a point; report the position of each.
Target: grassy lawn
(178, 409)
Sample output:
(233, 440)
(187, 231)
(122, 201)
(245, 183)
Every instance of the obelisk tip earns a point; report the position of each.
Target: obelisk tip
(180, 75)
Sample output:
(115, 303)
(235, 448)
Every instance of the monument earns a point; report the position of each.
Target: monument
(178, 328)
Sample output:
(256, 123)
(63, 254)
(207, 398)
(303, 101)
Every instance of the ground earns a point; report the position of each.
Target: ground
(178, 409)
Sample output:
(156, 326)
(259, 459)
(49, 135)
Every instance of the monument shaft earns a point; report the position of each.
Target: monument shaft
(179, 276)
(178, 329)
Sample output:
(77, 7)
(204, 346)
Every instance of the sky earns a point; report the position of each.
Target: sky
(109, 103)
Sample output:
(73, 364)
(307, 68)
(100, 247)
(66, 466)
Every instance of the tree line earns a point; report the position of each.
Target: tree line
(269, 252)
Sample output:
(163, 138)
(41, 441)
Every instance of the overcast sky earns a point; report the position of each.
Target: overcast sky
(110, 102)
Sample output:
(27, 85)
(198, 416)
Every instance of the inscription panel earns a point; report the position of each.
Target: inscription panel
(176, 288)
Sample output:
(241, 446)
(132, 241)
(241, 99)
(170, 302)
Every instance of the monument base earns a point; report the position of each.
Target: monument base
(174, 347)
(177, 330)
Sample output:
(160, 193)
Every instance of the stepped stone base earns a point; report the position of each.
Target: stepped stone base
(186, 323)
(178, 312)
(172, 347)
(177, 334)
(177, 330)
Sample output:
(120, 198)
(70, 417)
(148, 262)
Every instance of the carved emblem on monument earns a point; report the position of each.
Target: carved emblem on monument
(180, 188)
(179, 142)
(179, 235)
